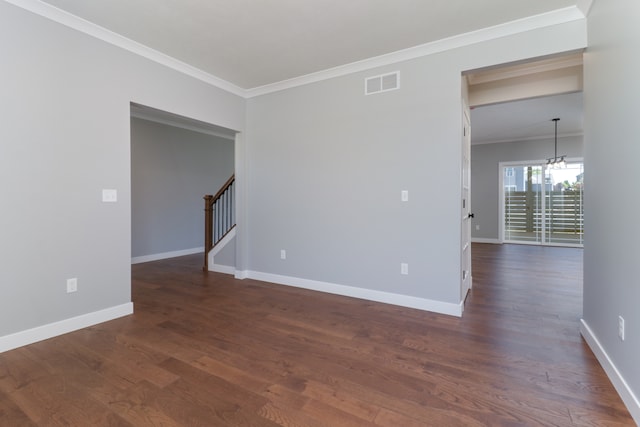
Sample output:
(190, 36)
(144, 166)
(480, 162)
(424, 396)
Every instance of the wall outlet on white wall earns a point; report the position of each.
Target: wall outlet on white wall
(72, 285)
(283, 254)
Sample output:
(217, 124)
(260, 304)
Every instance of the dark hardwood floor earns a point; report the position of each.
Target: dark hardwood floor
(207, 350)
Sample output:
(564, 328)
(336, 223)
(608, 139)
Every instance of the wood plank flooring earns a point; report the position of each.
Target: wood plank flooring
(207, 350)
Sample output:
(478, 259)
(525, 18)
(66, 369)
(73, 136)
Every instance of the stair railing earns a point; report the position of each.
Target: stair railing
(219, 217)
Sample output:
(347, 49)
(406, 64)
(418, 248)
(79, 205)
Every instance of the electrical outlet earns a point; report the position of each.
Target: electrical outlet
(72, 285)
(621, 327)
(283, 254)
(477, 227)
(404, 268)
(404, 195)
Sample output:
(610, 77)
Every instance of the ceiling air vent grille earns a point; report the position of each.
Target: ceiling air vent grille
(382, 83)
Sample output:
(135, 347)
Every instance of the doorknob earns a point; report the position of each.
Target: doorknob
(471, 215)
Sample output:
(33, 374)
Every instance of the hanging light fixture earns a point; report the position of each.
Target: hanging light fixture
(556, 162)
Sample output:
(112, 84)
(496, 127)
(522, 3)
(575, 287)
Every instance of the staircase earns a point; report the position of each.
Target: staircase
(219, 218)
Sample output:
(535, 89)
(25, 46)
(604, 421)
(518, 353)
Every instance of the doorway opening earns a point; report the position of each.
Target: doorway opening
(512, 107)
(175, 161)
(512, 112)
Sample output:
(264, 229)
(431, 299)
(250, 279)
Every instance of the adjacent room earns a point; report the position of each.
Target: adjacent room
(174, 163)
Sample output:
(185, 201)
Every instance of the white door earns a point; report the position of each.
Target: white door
(466, 215)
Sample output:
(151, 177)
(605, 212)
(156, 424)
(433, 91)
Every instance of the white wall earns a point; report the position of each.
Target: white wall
(171, 170)
(611, 285)
(327, 164)
(322, 166)
(485, 194)
(65, 105)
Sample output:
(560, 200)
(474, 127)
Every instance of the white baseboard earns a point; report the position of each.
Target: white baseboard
(628, 397)
(165, 255)
(485, 240)
(241, 274)
(30, 336)
(366, 294)
(225, 269)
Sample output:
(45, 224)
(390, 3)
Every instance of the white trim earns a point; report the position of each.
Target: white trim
(222, 243)
(556, 17)
(451, 309)
(241, 211)
(30, 336)
(585, 6)
(241, 274)
(628, 397)
(501, 166)
(224, 269)
(72, 21)
(165, 255)
(219, 268)
(485, 240)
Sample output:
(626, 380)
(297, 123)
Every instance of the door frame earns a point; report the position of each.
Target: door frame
(466, 276)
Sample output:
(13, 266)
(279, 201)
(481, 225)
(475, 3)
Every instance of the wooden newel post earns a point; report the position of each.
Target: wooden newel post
(208, 225)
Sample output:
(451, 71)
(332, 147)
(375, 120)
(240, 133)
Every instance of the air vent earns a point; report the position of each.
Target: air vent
(382, 83)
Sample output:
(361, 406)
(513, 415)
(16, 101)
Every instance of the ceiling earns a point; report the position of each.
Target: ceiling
(253, 43)
(527, 119)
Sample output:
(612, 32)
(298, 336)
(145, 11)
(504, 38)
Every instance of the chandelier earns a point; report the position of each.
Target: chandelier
(556, 162)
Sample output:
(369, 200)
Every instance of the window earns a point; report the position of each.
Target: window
(541, 205)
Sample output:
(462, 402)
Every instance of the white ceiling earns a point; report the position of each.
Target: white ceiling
(527, 120)
(252, 43)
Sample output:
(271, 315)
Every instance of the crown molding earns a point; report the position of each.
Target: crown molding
(585, 6)
(72, 21)
(560, 16)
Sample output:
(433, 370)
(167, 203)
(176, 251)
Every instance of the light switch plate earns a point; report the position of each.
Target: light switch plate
(404, 268)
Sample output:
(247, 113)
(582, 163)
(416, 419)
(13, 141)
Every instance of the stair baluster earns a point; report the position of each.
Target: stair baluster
(219, 218)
